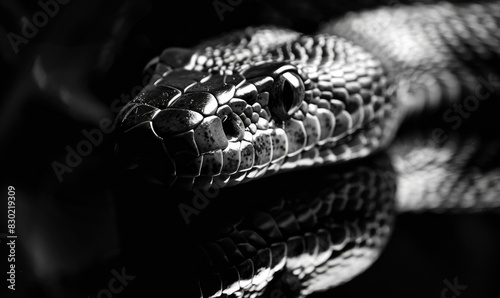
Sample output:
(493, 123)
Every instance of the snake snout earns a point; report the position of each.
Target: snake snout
(196, 126)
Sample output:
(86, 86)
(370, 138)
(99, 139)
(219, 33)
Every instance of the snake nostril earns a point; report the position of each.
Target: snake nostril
(233, 126)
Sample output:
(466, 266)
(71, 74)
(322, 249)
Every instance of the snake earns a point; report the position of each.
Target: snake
(317, 141)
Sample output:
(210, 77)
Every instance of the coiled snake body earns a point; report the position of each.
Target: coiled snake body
(235, 110)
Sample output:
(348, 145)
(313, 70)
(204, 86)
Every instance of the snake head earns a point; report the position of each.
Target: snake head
(194, 128)
(226, 115)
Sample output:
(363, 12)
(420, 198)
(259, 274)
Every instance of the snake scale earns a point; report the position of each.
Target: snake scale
(345, 118)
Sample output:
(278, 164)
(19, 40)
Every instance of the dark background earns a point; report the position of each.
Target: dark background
(73, 233)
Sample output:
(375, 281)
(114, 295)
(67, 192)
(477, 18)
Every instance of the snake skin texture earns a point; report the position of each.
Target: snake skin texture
(437, 52)
(461, 175)
(297, 242)
(317, 110)
(299, 101)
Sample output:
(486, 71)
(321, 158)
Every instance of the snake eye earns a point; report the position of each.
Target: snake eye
(288, 94)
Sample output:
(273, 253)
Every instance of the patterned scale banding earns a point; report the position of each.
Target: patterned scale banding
(230, 115)
(303, 242)
(438, 51)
